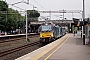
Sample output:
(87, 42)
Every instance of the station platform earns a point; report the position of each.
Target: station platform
(69, 47)
(17, 35)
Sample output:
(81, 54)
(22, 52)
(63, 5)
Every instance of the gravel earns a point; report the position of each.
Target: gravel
(17, 43)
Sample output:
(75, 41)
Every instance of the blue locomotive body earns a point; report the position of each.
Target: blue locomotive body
(49, 32)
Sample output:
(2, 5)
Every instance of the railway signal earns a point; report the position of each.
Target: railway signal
(80, 23)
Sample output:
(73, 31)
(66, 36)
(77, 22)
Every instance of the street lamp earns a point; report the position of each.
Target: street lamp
(83, 13)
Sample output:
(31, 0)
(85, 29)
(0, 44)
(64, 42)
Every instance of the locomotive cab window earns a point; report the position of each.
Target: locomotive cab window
(44, 28)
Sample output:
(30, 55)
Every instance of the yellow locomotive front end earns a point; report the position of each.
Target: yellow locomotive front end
(46, 33)
(46, 37)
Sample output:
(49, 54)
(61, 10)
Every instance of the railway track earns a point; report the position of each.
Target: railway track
(4, 53)
(15, 39)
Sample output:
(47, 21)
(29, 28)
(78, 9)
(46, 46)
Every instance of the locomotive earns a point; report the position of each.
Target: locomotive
(50, 32)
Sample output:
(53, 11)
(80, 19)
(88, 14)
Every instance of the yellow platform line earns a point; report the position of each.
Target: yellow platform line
(47, 50)
(55, 50)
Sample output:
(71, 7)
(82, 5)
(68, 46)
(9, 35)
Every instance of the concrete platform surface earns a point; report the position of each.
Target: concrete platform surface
(72, 49)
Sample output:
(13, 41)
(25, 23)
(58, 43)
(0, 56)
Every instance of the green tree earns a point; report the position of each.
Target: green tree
(3, 9)
(3, 6)
(20, 23)
(9, 18)
(14, 19)
(33, 13)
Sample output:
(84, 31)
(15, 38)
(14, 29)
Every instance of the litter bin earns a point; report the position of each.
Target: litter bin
(86, 41)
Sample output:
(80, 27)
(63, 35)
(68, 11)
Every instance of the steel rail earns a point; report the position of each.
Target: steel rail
(10, 51)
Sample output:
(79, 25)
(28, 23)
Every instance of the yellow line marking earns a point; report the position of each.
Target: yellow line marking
(55, 50)
(47, 50)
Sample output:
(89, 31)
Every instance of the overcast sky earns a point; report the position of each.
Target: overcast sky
(55, 5)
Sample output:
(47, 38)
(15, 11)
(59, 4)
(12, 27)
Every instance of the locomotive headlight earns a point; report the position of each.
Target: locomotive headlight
(52, 35)
(41, 36)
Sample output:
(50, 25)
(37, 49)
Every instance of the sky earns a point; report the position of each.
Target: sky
(54, 5)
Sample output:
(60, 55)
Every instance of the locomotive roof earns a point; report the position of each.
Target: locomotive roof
(48, 23)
